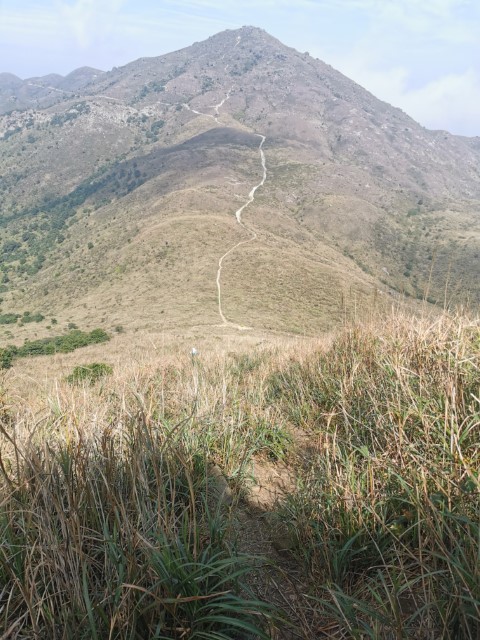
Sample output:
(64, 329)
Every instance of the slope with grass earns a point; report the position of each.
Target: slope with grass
(253, 235)
(365, 451)
(117, 201)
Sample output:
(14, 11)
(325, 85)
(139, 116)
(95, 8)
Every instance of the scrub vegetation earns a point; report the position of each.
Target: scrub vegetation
(112, 523)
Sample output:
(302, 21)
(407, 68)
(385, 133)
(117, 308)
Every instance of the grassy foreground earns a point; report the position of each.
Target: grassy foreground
(114, 522)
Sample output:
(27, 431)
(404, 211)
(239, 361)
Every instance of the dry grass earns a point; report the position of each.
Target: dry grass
(109, 523)
(149, 260)
(387, 511)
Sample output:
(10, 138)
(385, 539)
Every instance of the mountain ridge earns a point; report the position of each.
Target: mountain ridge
(365, 201)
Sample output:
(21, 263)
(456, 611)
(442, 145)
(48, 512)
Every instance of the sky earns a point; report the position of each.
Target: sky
(420, 55)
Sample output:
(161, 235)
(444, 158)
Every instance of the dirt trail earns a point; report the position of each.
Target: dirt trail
(221, 103)
(260, 533)
(42, 86)
(216, 107)
(253, 236)
(198, 113)
(238, 214)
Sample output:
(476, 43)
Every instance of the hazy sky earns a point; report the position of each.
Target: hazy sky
(420, 55)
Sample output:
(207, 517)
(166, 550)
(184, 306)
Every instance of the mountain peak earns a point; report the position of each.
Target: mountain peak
(134, 178)
(246, 34)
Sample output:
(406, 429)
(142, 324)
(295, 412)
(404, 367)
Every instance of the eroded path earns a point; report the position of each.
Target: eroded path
(253, 235)
(216, 107)
(238, 214)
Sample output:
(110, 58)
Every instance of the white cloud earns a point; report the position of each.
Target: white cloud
(16, 26)
(437, 19)
(442, 8)
(448, 102)
(420, 55)
(66, 34)
(89, 20)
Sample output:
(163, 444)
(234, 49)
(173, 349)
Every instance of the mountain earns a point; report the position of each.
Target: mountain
(121, 191)
(35, 93)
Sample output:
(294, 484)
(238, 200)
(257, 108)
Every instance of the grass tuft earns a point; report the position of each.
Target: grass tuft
(90, 373)
(386, 516)
(120, 500)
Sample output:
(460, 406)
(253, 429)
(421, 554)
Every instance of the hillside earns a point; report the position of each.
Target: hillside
(119, 194)
(232, 403)
(34, 93)
(317, 489)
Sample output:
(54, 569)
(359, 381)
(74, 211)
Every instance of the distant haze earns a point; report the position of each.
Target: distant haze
(423, 57)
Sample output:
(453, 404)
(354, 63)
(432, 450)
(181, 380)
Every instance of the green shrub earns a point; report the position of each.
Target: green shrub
(56, 344)
(89, 373)
(6, 357)
(35, 317)
(63, 344)
(9, 318)
(273, 439)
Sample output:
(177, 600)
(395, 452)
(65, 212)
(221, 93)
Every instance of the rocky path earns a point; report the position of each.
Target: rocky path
(253, 236)
(238, 214)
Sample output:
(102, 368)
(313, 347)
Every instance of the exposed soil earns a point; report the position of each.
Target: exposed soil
(279, 579)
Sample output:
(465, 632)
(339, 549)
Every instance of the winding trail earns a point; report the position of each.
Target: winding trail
(198, 113)
(221, 103)
(216, 107)
(253, 236)
(238, 214)
(42, 86)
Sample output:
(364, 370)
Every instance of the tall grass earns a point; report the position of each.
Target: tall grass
(111, 525)
(115, 531)
(387, 513)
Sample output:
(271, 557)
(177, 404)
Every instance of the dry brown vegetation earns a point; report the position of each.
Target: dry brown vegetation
(271, 485)
(359, 201)
(114, 522)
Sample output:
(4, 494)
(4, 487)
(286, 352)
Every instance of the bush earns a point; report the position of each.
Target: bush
(6, 357)
(89, 373)
(63, 344)
(35, 317)
(56, 344)
(9, 318)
